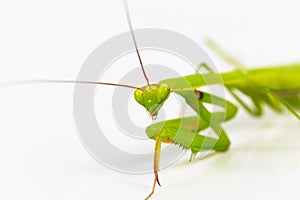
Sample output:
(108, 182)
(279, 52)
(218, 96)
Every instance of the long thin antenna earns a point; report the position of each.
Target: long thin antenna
(134, 41)
(12, 83)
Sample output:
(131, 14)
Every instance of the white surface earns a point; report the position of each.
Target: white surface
(41, 155)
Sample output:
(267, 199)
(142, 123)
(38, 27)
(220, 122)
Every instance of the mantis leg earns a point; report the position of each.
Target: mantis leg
(269, 97)
(230, 109)
(158, 141)
(214, 119)
(275, 99)
(224, 54)
(185, 132)
(204, 65)
(287, 105)
(256, 110)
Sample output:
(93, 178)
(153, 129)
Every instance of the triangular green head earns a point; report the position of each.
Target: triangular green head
(152, 97)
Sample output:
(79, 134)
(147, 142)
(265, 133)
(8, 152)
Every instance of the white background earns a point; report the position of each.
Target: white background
(41, 156)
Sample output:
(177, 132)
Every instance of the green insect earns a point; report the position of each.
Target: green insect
(270, 85)
(276, 86)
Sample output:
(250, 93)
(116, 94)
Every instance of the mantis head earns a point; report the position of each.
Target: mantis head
(152, 97)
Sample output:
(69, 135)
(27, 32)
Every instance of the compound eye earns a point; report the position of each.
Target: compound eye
(163, 93)
(139, 96)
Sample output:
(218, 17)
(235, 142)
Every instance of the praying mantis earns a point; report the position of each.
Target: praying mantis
(265, 85)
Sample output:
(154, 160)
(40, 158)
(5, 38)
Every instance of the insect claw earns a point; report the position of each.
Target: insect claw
(158, 181)
(153, 188)
(156, 177)
(192, 157)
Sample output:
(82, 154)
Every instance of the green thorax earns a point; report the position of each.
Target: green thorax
(152, 97)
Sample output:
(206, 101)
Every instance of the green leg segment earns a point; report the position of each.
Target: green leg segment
(186, 131)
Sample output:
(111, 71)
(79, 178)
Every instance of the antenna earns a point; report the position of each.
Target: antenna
(13, 83)
(134, 41)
